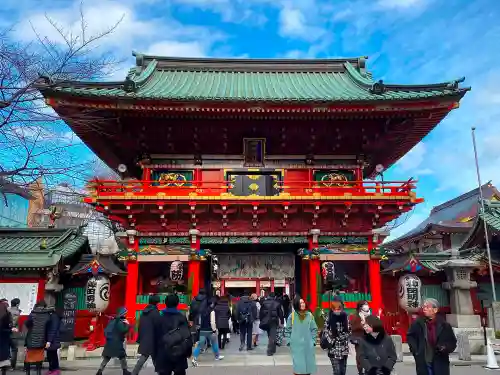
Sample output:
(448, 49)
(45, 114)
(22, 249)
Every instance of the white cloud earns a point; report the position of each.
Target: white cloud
(413, 159)
(177, 49)
(400, 4)
(292, 22)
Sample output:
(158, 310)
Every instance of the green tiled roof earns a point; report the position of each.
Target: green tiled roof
(38, 247)
(179, 79)
(491, 214)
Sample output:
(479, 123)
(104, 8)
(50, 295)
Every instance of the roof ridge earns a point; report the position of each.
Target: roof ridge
(458, 199)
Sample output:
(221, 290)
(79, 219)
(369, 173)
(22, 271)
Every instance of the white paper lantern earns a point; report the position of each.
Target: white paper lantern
(97, 293)
(410, 296)
(176, 271)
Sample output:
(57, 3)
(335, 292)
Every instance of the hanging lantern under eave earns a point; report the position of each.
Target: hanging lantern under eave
(176, 271)
(410, 295)
(97, 293)
(328, 272)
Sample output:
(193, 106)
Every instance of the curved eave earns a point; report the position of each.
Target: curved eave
(132, 102)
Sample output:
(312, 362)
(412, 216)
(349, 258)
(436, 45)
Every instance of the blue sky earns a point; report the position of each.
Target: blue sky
(407, 41)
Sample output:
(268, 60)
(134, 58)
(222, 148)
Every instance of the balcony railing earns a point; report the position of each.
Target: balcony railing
(210, 190)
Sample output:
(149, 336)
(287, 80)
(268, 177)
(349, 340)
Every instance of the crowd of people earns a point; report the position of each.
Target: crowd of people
(39, 336)
(172, 339)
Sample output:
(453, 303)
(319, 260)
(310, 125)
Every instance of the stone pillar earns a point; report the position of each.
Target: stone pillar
(462, 317)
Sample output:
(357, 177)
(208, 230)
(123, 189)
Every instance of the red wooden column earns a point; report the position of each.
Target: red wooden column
(304, 290)
(314, 272)
(132, 281)
(375, 278)
(194, 265)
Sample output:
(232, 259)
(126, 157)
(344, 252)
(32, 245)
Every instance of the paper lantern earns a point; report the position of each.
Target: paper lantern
(97, 293)
(328, 271)
(176, 271)
(410, 296)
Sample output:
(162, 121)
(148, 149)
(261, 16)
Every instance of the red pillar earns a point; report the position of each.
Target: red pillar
(194, 277)
(194, 266)
(375, 279)
(132, 282)
(40, 294)
(314, 283)
(304, 290)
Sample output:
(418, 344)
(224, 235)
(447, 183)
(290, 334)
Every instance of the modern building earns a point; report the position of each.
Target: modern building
(13, 211)
(74, 213)
(252, 175)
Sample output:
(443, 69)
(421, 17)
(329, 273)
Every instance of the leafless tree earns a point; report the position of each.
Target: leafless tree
(34, 141)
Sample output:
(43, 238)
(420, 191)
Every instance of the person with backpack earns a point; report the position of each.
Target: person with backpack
(198, 304)
(146, 335)
(271, 317)
(115, 334)
(208, 332)
(17, 336)
(173, 340)
(246, 312)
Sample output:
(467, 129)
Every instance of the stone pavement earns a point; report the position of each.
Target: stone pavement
(234, 358)
(266, 370)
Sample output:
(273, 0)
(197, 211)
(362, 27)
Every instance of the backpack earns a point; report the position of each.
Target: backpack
(109, 331)
(244, 314)
(178, 342)
(197, 307)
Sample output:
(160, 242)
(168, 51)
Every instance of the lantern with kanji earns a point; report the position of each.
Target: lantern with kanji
(176, 271)
(97, 293)
(328, 272)
(410, 297)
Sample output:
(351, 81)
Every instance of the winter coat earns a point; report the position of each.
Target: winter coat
(5, 335)
(207, 320)
(286, 306)
(197, 307)
(358, 331)
(54, 331)
(15, 312)
(301, 337)
(37, 324)
(170, 319)
(446, 343)
(377, 352)
(146, 336)
(222, 314)
(115, 341)
(270, 313)
(243, 304)
(338, 332)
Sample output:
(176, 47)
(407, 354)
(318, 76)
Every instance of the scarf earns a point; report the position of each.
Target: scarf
(431, 332)
(302, 314)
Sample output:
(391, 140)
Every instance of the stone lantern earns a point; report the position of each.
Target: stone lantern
(462, 318)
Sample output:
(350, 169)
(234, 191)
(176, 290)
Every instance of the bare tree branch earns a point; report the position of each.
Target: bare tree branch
(34, 141)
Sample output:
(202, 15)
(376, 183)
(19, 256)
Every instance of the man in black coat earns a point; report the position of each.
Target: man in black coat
(246, 313)
(171, 319)
(431, 341)
(271, 317)
(146, 335)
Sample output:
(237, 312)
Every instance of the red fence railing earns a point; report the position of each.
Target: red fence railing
(115, 189)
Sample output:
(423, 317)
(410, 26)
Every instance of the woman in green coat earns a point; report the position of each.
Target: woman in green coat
(301, 332)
